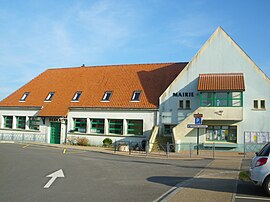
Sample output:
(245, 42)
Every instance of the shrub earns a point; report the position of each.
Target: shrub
(107, 142)
(82, 141)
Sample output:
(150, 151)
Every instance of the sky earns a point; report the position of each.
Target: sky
(36, 35)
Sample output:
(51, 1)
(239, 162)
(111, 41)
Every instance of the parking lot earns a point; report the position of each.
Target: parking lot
(88, 176)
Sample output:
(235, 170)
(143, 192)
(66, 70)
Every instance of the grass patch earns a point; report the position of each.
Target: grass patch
(244, 176)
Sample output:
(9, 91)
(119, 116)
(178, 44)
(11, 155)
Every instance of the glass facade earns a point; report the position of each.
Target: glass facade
(221, 133)
(221, 99)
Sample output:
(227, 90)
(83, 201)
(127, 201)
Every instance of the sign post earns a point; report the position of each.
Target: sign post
(198, 125)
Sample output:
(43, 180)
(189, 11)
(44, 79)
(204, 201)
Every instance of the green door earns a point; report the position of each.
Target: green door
(55, 133)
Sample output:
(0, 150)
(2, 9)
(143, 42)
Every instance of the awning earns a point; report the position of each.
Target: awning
(221, 82)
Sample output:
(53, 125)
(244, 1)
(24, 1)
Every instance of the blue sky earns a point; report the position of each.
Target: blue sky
(39, 34)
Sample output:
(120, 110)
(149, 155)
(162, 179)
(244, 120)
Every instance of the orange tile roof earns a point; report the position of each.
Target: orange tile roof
(122, 80)
(221, 82)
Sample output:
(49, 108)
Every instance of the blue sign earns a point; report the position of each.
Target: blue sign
(198, 121)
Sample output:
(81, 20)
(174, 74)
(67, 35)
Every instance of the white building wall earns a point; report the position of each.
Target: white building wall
(148, 116)
(222, 55)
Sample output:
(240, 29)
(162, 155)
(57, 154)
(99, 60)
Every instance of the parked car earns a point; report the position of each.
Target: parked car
(260, 168)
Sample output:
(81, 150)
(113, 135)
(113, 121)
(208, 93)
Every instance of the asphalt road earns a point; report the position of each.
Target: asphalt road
(89, 176)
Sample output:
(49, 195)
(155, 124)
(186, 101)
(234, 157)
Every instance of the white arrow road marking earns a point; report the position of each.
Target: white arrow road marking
(53, 176)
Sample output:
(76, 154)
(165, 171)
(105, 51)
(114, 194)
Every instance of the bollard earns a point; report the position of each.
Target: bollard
(189, 150)
(213, 150)
(147, 148)
(168, 149)
(129, 147)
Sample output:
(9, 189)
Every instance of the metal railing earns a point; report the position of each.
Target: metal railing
(23, 137)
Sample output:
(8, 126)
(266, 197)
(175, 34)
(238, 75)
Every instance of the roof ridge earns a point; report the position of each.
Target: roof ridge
(117, 65)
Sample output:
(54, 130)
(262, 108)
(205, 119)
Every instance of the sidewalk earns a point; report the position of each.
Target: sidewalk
(217, 182)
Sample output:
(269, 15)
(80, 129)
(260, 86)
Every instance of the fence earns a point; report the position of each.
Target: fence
(188, 150)
(23, 137)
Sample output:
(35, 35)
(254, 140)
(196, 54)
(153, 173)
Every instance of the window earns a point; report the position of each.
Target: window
(25, 95)
(21, 122)
(187, 104)
(8, 120)
(97, 126)
(136, 95)
(77, 96)
(259, 104)
(135, 127)
(255, 104)
(49, 97)
(107, 96)
(262, 104)
(80, 125)
(184, 104)
(221, 99)
(221, 133)
(34, 123)
(116, 126)
(181, 104)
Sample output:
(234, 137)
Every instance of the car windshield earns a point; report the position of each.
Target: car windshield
(264, 151)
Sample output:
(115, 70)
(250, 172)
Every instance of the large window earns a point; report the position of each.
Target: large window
(221, 133)
(221, 99)
(34, 123)
(97, 126)
(21, 122)
(135, 127)
(80, 125)
(116, 126)
(8, 120)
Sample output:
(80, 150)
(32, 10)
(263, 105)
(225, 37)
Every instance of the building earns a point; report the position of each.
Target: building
(125, 102)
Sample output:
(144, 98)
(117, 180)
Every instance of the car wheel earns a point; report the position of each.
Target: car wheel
(266, 185)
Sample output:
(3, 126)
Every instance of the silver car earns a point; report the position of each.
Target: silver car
(260, 168)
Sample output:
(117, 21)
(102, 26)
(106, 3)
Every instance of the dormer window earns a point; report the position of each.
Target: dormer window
(25, 95)
(136, 96)
(49, 97)
(77, 96)
(107, 96)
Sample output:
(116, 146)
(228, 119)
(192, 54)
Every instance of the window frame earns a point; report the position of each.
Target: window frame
(79, 125)
(34, 123)
(24, 97)
(220, 128)
(136, 96)
(116, 122)
(135, 128)
(97, 126)
(107, 96)
(76, 96)
(8, 124)
(49, 97)
(21, 122)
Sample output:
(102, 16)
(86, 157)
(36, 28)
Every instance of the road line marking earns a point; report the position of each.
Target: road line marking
(26, 146)
(53, 176)
(252, 198)
(64, 151)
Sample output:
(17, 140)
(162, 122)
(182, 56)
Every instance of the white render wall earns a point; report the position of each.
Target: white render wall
(220, 54)
(148, 117)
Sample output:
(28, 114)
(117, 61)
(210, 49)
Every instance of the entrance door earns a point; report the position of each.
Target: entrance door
(55, 133)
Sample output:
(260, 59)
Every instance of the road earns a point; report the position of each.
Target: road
(89, 176)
